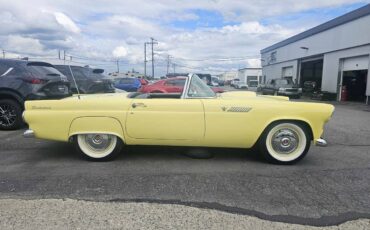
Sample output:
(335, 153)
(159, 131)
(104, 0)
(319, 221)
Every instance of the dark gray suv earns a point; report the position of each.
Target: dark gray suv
(88, 80)
(27, 80)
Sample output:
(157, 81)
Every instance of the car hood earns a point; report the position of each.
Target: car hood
(289, 86)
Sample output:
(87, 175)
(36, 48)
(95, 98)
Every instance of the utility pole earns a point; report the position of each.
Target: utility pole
(64, 56)
(117, 66)
(3, 53)
(152, 43)
(145, 59)
(174, 68)
(59, 54)
(168, 62)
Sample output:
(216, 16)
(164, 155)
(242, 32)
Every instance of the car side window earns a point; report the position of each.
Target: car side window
(272, 82)
(180, 82)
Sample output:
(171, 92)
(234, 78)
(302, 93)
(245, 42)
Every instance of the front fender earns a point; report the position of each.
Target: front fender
(108, 125)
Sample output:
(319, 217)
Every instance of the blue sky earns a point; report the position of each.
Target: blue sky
(311, 17)
(221, 35)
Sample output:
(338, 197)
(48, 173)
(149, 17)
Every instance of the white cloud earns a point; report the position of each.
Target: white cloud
(120, 52)
(66, 22)
(119, 29)
(24, 45)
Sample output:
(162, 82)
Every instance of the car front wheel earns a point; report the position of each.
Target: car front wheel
(98, 146)
(284, 142)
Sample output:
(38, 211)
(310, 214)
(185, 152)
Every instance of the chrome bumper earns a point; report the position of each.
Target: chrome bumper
(29, 133)
(321, 142)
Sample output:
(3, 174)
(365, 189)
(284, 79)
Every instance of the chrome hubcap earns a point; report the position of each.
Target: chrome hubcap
(7, 115)
(98, 141)
(285, 141)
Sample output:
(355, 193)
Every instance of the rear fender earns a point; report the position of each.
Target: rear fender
(107, 125)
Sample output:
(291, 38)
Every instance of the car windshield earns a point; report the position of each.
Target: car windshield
(126, 80)
(283, 82)
(198, 88)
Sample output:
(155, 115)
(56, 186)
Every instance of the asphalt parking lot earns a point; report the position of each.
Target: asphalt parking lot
(330, 186)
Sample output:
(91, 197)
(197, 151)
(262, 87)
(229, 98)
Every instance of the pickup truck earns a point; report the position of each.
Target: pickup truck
(282, 87)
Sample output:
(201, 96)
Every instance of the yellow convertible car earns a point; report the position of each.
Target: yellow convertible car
(99, 125)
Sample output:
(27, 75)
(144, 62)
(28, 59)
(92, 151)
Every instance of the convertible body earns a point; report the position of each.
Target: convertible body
(232, 119)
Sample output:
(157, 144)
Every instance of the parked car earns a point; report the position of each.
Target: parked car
(143, 81)
(240, 85)
(24, 80)
(100, 125)
(309, 86)
(88, 80)
(128, 84)
(221, 82)
(214, 81)
(232, 82)
(283, 87)
(171, 85)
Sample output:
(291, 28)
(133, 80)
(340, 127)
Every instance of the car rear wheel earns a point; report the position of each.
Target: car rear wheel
(98, 146)
(284, 142)
(10, 115)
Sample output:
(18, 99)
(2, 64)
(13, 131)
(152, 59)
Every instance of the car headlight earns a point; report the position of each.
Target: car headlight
(300, 90)
(281, 90)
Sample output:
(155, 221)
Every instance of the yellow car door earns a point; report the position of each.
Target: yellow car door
(166, 119)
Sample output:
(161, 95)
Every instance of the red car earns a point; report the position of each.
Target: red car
(170, 85)
(143, 81)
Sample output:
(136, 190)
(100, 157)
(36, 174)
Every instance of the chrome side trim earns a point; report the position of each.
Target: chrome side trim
(239, 109)
(29, 133)
(321, 142)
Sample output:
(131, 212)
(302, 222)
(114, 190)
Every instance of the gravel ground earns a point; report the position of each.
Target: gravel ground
(72, 214)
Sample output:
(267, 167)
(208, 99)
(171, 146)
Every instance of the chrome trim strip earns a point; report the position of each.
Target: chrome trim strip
(29, 133)
(321, 142)
(186, 87)
(239, 109)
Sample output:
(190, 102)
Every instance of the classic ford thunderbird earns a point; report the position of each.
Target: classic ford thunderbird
(99, 125)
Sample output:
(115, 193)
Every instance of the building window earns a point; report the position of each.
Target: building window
(273, 57)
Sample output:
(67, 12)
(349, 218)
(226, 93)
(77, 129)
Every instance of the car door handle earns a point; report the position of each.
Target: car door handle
(134, 105)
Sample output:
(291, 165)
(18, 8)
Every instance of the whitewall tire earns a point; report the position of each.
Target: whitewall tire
(285, 142)
(98, 146)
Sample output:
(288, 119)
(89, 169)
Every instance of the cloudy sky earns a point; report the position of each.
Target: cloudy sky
(200, 35)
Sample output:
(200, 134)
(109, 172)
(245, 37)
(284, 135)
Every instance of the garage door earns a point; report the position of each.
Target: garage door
(356, 63)
(288, 71)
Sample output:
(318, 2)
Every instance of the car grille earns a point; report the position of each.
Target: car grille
(291, 90)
